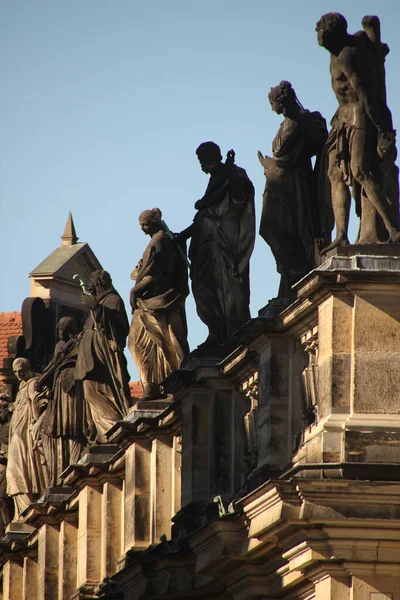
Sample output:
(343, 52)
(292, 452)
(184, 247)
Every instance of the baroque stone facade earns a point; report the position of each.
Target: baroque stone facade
(273, 474)
(266, 463)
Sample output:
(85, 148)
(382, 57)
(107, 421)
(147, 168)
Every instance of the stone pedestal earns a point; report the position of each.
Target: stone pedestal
(328, 372)
(149, 437)
(213, 436)
(147, 409)
(358, 361)
(152, 489)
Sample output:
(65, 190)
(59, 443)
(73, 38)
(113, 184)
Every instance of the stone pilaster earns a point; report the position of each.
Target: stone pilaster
(161, 492)
(67, 560)
(111, 528)
(89, 536)
(48, 555)
(30, 578)
(137, 495)
(12, 580)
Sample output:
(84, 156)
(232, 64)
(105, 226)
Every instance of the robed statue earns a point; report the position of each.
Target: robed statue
(26, 472)
(158, 333)
(222, 240)
(6, 503)
(291, 219)
(101, 364)
(63, 425)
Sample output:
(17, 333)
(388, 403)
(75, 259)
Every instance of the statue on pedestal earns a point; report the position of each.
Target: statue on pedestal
(361, 146)
(222, 240)
(63, 424)
(101, 363)
(26, 475)
(290, 220)
(158, 333)
(6, 503)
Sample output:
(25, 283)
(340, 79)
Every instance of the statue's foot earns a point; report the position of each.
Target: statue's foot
(152, 391)
(339, 241)
(148, 397)
(369, 238)
(394, 236)
(214, 348)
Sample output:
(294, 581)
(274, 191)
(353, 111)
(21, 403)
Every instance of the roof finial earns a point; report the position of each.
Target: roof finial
(69, 236)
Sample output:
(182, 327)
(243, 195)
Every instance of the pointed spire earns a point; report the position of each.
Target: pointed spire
(69, 236)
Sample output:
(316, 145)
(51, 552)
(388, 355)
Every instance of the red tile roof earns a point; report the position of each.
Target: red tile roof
(10, 324)
(136, 389)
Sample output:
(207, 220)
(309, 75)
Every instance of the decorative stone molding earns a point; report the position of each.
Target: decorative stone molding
(249, 389)
(309, 376)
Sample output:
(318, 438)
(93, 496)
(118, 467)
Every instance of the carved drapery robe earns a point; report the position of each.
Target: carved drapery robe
(63, 425)
(222, 243)
(107, 398)
(158, 334)
(6, 503)
(290, 218)
(25, 470)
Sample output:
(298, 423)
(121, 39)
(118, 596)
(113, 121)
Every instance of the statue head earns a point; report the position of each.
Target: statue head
(150, 221)
(331, 29)
(22, 369)
(282, 98)
(100, 281)
(66, 328)
(209, 155)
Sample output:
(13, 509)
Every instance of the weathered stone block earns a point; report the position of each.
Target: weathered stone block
(67, 559)
(89, 536)
(48, 555)
(30, 579)
(372, 446)
(137, 494)
(110, 528)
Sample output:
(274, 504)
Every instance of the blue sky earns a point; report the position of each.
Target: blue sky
(104, 102)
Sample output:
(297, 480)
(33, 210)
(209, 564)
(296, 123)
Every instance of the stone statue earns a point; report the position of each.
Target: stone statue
(6, 503)
(158, 334)
(101, 363)
(223, 233)
(290, 218)
(362, 130)
(63, 424)
(26, 476)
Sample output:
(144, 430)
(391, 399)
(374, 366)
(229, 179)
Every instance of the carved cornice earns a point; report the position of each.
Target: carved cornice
(125, 432)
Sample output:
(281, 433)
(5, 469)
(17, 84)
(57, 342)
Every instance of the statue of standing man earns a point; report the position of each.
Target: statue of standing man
(362, 129)
(223, 234)
(101, 364)
(63, 425)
